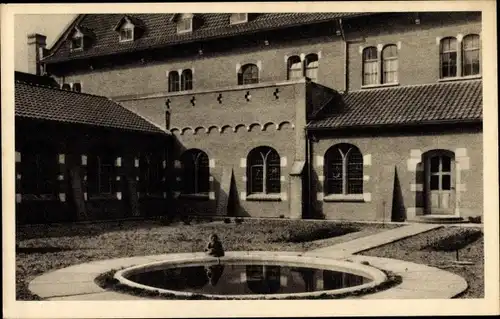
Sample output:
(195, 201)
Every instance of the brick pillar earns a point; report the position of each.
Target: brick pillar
(296, 196)
(164, 178)
(18, 178)
(61, 178)
(119, 174)
(76, 171)
(83, 170)
(131, 168)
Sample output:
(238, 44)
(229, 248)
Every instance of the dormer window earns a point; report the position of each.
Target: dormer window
(80, 38)
(185, 23)
(77, 43)
(127, 34)
(129, 28)
(237, 18)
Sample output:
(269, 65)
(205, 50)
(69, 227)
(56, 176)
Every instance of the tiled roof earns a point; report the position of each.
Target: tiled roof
(53, 104)
(35, 79)
(430, 103)
(160, 31)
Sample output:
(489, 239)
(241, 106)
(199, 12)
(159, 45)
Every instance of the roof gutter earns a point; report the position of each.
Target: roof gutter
(396, 125)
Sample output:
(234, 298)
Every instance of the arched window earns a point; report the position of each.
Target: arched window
(39, 169)
(311, 66)
(101, 173)
(294, 67)
(470, 54)
(151, 173)
(66, 86)
(248, 74)
(448, 57)
(390, 64)
(343, 167)
(173, 81)
(263, 171)
(370, 66)
(186, 80)
(196, 172)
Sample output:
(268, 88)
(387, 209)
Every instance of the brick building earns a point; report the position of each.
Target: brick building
(356, 116)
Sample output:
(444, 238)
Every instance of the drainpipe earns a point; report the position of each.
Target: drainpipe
(309, 171)
(344, 42)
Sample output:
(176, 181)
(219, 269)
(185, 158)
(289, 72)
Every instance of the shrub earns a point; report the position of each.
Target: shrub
(238, 220)
(475, 219)
(227, 220)
(311, 231)
(455, 241)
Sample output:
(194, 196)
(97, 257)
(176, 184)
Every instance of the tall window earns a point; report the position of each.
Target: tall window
(187, 80)
(448, 57)
(39, 171)
(196, 172)
(370, 66)
(470, 54)
(248, 74)
(173, 81)
(263, 171)
(151, 173)
(390, 64)
(101, 173)
(343, 167)
(294, 68)
(311, 66)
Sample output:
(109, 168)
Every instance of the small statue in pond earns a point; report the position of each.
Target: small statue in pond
(214, 247)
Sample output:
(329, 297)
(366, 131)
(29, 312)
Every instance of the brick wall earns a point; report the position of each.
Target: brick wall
(418, 48)
(230, 149)
(215, 70)
(384, 154)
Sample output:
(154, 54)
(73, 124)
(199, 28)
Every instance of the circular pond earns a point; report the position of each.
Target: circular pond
(251, 276)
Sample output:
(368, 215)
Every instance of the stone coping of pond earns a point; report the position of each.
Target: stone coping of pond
(78, 282)
(376, 276)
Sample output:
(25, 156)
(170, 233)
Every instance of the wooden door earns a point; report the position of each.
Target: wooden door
(440, 187)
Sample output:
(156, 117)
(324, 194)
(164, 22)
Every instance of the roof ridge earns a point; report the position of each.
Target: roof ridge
(62, 90)
(395, 87)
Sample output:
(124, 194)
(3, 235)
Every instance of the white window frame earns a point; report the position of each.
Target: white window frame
(128, 28)
(182, 20)
(80, 40)
(234, 18)
(346, 160)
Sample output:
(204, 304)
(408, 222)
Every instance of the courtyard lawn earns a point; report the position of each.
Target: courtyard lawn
(43, 248)
(437, 248)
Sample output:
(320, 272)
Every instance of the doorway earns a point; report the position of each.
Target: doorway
(439, 169)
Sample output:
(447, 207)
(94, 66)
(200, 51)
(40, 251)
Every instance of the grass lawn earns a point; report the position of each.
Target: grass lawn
(435, 248)
(40, 249)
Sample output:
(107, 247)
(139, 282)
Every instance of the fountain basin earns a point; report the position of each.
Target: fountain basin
(251, 275)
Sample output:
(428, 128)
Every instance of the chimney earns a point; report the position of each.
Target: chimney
(36, 47)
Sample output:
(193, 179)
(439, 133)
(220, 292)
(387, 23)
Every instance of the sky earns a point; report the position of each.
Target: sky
(50, 25)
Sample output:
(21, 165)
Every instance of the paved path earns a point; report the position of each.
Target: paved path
(379, 239)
